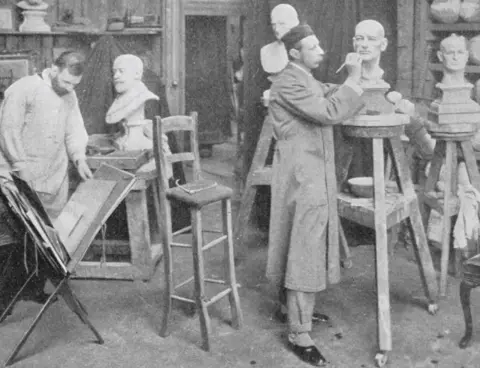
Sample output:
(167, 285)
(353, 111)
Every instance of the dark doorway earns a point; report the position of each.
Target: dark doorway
(207, 78)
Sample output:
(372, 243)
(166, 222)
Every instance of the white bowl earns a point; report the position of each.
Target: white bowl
(361, 186)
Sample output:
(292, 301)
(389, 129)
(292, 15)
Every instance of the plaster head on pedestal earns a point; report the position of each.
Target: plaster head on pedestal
(273, 56)
(370, 41)
(128, 107)
(453, 55)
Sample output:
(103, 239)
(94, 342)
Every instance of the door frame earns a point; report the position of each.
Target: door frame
(174, 41)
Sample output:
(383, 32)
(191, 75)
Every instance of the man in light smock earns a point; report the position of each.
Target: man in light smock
(299, 106)
(41, 129)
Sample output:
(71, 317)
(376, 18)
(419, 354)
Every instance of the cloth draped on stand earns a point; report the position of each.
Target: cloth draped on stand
(467, 225)
(96, 94)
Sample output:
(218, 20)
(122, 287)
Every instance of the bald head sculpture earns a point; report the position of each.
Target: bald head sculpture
(370, 41)
(283, 17)
(273, 56)
(127, 71)
(453, 55)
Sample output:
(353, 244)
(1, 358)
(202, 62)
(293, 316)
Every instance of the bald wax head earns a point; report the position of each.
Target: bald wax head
(283, 17)
(369, 40)
(127, 71)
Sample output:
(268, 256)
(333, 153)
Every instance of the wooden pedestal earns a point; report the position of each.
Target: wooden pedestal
(385, 210)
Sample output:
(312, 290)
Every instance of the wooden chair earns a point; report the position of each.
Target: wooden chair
(470, 280)
(195, 194)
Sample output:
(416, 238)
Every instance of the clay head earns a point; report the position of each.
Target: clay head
(453, 53)
(283, 17)
(127, 71)
(369, 40)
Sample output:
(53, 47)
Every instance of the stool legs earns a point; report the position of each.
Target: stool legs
(168, 266)
(201, 300)
(234, 299)
(465, 290)
(199, 277)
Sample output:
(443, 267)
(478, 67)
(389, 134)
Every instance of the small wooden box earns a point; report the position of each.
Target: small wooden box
(124, 160)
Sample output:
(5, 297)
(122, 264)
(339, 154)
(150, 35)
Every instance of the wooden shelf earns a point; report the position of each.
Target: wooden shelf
(125, 32)
(455, 27)
(437, 67)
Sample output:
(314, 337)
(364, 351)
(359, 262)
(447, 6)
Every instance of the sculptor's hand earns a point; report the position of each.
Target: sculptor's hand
(83, 169)
(353, 63)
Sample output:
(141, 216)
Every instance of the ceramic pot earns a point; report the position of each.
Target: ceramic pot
(445, 11)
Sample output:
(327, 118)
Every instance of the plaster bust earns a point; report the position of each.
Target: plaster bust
(128, 107)
(453, 55)
(273, 56)
(369, 41)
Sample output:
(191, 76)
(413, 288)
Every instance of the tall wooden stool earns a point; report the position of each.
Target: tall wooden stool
(470, 280)
(196, 195)
(449, 145)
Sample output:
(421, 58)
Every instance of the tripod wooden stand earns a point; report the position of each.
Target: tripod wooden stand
(260, 174)
(453, 143)
(387, 209)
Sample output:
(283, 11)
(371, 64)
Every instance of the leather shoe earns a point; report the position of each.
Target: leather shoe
(309, 354)
(316, 317)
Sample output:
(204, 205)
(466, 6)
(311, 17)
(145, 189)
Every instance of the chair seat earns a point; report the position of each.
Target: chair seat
(202, 197)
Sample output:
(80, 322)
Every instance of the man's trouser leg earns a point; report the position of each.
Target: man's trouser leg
(300, 307)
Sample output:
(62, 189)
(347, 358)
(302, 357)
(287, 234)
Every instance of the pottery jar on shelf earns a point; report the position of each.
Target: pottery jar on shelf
(445, 11)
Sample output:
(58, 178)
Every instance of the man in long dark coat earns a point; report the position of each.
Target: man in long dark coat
(300, 107)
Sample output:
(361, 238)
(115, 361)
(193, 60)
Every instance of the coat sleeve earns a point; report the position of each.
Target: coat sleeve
(12, 122)
(295, 96)
(76, 137)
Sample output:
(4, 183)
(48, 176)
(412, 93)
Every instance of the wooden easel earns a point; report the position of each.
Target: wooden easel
(63, 289)
(261, 174)
(77, 244)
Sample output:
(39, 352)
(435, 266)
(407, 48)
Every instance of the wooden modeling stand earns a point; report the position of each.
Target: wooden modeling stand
(386, 210)
(261, 174)
(452, 141)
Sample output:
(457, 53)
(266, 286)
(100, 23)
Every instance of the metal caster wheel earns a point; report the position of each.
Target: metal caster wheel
(433, 308)
(381, 359)
(347, 263)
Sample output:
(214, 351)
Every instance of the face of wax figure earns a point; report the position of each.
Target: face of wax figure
(283, 17)
(304, 47)
(66, 73)
(127, 71)
(453, 53)
(369, 41)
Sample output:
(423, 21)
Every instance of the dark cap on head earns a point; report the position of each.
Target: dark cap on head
(295, 35)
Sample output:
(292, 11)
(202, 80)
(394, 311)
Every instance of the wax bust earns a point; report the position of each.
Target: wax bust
(273, 56)
(128, 107)
(369, 41)
(453, 55)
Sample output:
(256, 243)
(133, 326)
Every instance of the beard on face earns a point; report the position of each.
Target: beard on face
(57, 88)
